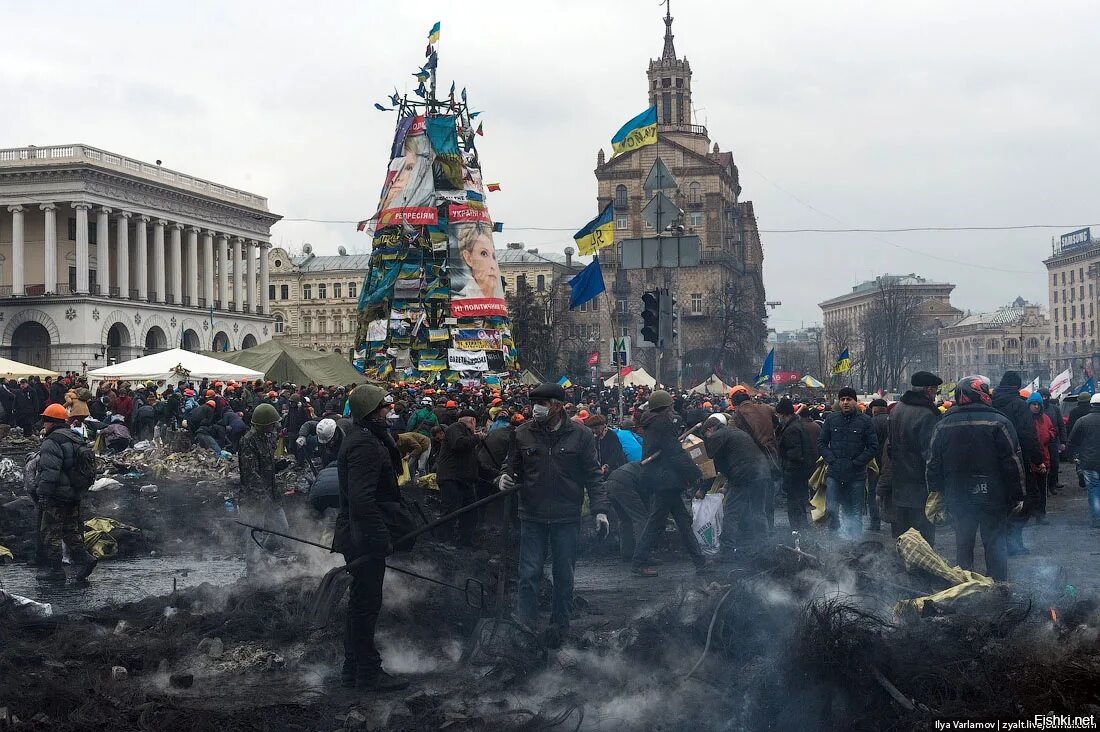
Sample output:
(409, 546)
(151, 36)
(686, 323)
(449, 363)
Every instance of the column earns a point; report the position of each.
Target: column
(122, 246)
(102, 255)
(82, 247)
(49, 212)
(159, 277)
(177, 263)
(223, 271)
(250, 272)
(208, 267)
(141, 248)
(193, 266)
(18, 285)
(265, 294)
(238, 273)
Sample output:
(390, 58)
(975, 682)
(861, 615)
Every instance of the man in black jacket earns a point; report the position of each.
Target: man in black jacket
(26, 407)
(667, 476)
(367, 470)
(609, 451)
(748, 479)
(1080, 408)
(631, 503)
(797, 458)
(553, 462)
(1007, 400)
(456, 471)
(847, 443)
(973, 463)
(58, 498)
(1084, 442)
(911, 424)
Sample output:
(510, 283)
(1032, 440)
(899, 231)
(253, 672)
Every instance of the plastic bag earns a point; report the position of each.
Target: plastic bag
(935, 508)
(706, 522)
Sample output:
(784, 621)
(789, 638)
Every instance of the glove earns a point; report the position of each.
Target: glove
(300, 442)
(505, 482)
(1018, 509)
(602, 525)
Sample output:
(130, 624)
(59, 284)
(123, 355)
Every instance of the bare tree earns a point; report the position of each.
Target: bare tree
(892, 335)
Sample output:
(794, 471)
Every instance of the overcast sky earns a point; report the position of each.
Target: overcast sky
(840, 114)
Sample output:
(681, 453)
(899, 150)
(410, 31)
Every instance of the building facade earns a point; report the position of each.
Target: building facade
(718, 283)
(1015, 337)
(1073, 285)
(929, 302)
(104, 258)
(314, 298)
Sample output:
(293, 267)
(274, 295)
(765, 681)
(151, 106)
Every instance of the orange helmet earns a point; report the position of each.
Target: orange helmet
(707, 405)
(1025, 393)
(55, 411)
(450, 405)
(739, 389)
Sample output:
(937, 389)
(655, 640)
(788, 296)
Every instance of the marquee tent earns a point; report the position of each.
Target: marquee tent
(284, 363)
(14, 370)
(637, 377)
(174, 365)
(713, 385)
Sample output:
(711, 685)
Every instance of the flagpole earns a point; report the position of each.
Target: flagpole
(614, 353)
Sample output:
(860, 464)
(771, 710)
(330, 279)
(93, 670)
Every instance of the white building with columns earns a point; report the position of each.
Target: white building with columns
(104, 258)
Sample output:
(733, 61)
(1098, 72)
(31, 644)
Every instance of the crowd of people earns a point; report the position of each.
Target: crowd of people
(990, 453)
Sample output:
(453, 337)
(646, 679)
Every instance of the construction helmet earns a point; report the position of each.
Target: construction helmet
(365, 399)
(56, 412)
(326, 428)
(658, 399)
(264, 416)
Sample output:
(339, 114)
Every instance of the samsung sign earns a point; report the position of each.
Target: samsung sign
(1076, 239)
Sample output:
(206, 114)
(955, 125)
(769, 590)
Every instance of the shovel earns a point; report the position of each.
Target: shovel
(473, 591)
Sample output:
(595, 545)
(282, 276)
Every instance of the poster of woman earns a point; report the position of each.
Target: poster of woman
(476, 290)
(408, 195)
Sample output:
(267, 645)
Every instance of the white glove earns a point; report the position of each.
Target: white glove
(603, 526)
(300, 442)
(505, 482)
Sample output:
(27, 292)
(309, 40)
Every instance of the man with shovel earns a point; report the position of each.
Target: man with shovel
(552, 461)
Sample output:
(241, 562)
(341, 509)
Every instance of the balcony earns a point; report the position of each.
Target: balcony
(186, 300)
(114, 292)
(246, 308)
(202, 302)
(93, 288)
(231, 307)
(693, 129)
(217, 304)
(153, 296)
(133, 294)
(170, 298)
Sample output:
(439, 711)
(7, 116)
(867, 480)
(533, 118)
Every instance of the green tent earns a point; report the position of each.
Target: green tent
(282, 363)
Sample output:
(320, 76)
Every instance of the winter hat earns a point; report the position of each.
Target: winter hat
(846, 391)
(1035, 398)
(1011, 380)
(881, 402)
(1083, 398)
(785, 406)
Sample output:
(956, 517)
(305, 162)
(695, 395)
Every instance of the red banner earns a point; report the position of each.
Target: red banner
(417, 127)
(467, 215)
(478, 307)
(783, 378)
(414, 216)
(593, 358)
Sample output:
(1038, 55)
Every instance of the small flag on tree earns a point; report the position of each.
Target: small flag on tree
(493, 187)
(433, 34)
(480, 129)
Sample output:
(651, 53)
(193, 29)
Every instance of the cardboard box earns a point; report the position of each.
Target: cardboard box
(708, 470)
(695, 449)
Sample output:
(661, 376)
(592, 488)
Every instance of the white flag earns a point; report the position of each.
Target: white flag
(1060, 385)
(1033, 386)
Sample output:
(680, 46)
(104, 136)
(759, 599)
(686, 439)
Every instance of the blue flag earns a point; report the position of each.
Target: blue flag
(1089, 387)
(767, 369)
(586, 284)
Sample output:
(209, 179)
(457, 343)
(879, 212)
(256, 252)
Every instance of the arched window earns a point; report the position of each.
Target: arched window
(1012, 343)
(992, 344)
(621, 197)
(694, 193)
(540, 283)
(1032, 342)
(278, 323)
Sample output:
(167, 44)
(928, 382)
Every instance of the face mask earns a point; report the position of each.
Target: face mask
(541, 412)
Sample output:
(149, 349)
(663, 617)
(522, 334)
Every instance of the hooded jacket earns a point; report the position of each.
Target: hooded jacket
(671, 469)
(910, 433)
(458, 456)
(797, 448)
(973, 459)
(553, 469)
(736, 456)
(1084, 440)
(1007, 401)
(365, 467)
(56, 459)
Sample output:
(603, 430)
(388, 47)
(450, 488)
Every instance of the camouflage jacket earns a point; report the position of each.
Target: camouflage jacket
(256, 457)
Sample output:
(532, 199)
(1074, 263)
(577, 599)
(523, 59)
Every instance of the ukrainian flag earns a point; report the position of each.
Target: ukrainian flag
(843, 363)
(433, 34)
(597, 233)
(638, 132)
(565, 382)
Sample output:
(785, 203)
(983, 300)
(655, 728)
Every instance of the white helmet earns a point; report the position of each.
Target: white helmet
(1095, 399)
(426, 401)
(717, 419)
(326, 428)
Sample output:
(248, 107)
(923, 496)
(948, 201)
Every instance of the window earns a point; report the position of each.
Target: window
(271, 292)
(697, 303)
(1073, 311)
(1081, 273)
(621, 200)
(679, 83)
(1090, 290)
(1073, 330)
(1054, 295)
(1054, 279)
(336, 290)
(620, 306)
(540, 283)
(991, 345)
(338, 325)
(1063, 278)
(278, 323)
(1072, 294)
(1071, 276)
(695, 194)
(307, 325)
(648, 225)
(1012, 343)
(1082, 292)
(1032, 342)
(307, 292)
(284, 292)
(321, 291)
(351, 289)
(321, 325)
(679, 108)
(1065, 330)
(583, 307)
(695, 219)
(622, 222)
(521, 281)
(666, 83)
(666, 107)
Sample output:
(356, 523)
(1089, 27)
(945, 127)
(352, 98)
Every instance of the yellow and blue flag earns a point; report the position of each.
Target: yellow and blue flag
(564, 382)
(433, 34)
(597, 233)
(638, 132)
(767, 369)
(843, 363)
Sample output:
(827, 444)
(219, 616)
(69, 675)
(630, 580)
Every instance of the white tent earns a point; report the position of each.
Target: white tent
(173, 365)
(14, 370)
(637, 377)
(713, 385)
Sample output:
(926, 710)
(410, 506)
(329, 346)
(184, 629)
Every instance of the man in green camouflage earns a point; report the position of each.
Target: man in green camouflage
(259, 497)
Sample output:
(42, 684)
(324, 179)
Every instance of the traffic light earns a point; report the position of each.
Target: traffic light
(651, 316)
(666, 319)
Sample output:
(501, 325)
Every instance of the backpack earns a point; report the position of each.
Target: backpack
(84, 468)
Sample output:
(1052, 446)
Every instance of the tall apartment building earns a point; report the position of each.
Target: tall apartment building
(314, 298)
(1073, 280)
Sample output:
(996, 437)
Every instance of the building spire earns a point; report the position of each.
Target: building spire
(669, 54)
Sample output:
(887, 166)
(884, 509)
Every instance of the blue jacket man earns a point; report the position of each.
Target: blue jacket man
(847, 443)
